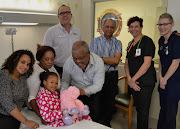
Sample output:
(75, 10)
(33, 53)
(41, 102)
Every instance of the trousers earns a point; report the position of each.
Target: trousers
(8, 122)
(93, 101)
(168, 112)
(142, 101)
(109, 92)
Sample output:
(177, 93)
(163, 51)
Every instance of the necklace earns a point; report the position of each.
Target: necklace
(14, 77)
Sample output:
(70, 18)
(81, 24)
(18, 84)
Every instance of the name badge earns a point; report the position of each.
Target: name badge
(138, 52)
(166, 50)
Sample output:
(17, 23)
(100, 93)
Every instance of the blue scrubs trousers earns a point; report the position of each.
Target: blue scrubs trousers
(168, 112)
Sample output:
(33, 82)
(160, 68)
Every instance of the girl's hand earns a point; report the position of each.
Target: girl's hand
(43, 121)
(58, 91)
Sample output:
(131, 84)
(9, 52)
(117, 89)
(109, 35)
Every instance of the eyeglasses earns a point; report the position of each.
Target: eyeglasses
(80, 58)
(163, 24)
(67, 12)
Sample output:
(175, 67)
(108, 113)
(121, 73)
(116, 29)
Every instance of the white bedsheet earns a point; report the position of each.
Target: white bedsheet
(84, 124)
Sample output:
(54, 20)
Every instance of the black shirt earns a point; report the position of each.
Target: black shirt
(134, 62)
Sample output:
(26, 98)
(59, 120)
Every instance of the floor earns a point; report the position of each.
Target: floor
(118, 122)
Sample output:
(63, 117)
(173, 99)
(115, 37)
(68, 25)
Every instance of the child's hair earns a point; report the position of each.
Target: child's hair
(44, 76)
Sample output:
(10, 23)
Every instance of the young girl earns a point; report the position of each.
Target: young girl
(48, 100)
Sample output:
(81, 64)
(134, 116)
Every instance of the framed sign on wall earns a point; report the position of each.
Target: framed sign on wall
(110, 14)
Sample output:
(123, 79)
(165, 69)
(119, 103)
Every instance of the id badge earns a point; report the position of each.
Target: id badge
(138, 52)
(166, 50)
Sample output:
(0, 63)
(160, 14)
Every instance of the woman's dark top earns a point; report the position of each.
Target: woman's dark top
(135, 62)
(168, 52)
(12, 93)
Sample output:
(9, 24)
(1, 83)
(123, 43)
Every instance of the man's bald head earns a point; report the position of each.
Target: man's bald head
(80, 45)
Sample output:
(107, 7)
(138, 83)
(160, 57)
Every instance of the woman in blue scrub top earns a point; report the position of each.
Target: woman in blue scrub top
(169, 72)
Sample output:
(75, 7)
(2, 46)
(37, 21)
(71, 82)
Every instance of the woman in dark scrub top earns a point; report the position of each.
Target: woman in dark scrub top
(169, 72)
(140, 71)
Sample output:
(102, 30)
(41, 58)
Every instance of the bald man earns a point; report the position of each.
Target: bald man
(85, 70)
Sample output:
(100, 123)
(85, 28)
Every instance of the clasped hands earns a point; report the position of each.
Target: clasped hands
(134, 84)
(162, 82)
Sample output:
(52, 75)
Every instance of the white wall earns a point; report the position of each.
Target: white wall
(27, 37)
(86, 17)
(174, 9)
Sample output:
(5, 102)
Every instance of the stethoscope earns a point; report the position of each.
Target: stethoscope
(132, 43)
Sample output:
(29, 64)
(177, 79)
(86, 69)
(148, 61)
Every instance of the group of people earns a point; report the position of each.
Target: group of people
(94, 71)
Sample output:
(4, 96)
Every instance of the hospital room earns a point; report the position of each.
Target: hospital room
(88, 45)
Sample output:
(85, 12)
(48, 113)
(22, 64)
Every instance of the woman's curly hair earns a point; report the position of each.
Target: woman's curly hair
(11, 62)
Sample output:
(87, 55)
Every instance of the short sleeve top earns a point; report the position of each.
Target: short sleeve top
(104, 48)
(168, 52)
(135, 62)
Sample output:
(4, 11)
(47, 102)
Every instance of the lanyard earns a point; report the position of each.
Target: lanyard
(132, 44)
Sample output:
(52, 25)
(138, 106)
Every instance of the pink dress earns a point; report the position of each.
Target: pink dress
(50, 108)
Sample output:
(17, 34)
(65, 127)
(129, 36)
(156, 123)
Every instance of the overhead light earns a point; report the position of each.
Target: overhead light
(17, 23)
(27, 18)
(2, 11)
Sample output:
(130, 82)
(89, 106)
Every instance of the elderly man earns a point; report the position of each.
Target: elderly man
(61, 37)
(110, 50)
(85, 70)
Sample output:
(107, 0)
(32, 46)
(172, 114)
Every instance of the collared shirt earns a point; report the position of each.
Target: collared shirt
(58, 38)
(91, 80)
(104, 48)
(33, 81)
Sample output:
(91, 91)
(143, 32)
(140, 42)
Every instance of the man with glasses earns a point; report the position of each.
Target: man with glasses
(109, 49)
(61, 37)
(85, 70)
